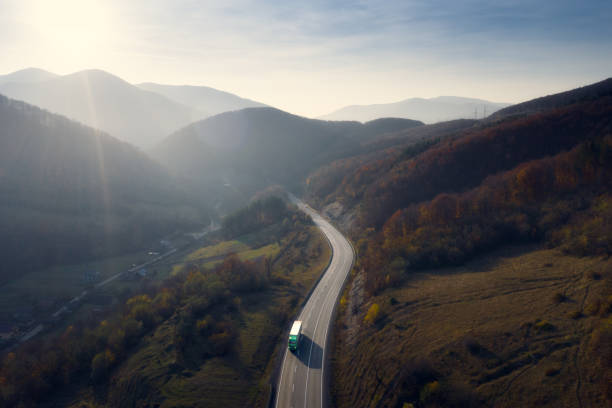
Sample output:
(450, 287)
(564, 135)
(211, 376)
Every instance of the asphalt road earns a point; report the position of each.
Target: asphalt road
(302, 377)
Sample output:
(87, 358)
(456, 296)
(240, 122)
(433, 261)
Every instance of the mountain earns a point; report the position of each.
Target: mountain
(243, 151)
(71, 193)
(208, 101)
(104, 101)
(442, 108)
(27, 75)
(479, 248)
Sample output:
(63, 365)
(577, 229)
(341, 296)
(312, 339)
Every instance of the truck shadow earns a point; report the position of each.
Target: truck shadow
(309, 353)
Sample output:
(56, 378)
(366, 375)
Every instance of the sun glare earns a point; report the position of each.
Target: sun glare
(71, 27)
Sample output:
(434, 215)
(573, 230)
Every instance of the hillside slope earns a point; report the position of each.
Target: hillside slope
(586, 93)
(208, 335)
(70, 192)
(436, 339)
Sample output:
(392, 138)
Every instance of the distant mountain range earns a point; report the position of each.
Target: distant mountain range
(432, 110)
(27, 75)
(141, 115)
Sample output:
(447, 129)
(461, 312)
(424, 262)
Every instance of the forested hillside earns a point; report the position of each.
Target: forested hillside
(586, 93)
(463, 161)
(72, 193)
(206, 336)
(540, 178)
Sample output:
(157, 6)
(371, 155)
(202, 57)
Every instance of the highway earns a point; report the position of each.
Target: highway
(302, 378)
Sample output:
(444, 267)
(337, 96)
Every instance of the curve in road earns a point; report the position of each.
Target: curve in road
(301, 383)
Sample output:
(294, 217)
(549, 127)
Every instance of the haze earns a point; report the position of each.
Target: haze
(313, 58)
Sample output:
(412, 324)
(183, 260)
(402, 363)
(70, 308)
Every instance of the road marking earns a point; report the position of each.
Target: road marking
(328, 286)
(281, 378)
(310, 355)
(293, 387)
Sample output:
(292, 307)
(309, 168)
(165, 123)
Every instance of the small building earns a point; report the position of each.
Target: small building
(91, 277)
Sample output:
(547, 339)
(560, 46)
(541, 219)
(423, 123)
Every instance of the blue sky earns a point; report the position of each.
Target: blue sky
(313, 57)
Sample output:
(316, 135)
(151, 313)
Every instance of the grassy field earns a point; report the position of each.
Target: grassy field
(512, 329)
(239, 379)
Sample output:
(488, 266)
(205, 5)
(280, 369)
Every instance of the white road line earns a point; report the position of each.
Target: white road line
(323, 357)
(310, 355)
(326, 301)
(281, 378)
(323, 296)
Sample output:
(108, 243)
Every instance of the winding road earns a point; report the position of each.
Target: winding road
(302, 379)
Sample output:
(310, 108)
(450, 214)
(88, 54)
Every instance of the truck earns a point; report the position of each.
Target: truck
(295, 335)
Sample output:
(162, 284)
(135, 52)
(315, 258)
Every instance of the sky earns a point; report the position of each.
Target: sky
(313, 57)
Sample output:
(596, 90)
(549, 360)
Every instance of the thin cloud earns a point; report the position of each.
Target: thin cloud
(312, 57)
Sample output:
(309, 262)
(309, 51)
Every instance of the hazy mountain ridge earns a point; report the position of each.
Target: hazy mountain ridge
(27, 75)
(106, 102)
(208, 101)
(442, 108)
(252, 148)
(71, 192)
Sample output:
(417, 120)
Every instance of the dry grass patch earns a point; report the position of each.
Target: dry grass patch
(489, 330)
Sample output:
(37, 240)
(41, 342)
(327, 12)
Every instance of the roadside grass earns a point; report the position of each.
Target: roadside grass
(220, 249)
(493, 332)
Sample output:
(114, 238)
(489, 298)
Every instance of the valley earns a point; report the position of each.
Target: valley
(463, 263)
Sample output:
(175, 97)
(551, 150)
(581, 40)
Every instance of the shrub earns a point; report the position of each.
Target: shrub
(552, 372)
(472, 345)
(576, 314)
(559, 298)
(100, 365)
(595, 275)
(373, 314)
(544, 325)
(429, 391)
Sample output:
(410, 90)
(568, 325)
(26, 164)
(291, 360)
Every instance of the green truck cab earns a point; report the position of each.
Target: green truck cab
(295, 335)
